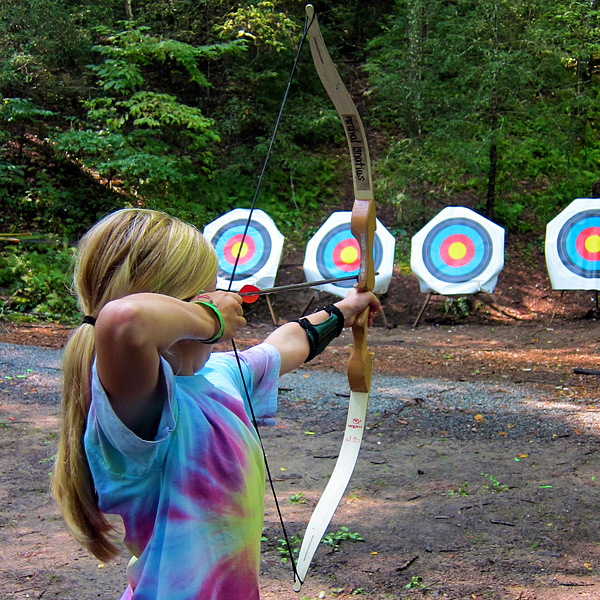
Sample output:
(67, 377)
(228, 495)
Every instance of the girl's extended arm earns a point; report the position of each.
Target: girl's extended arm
(291, 340)
(132, 333)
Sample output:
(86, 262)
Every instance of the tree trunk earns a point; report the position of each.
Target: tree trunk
(415, 37)
(490, 201)
(128, 11)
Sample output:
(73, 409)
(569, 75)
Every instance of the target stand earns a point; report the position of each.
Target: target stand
(457, 253)
(493, 303)
(333, 252)
(573, 249)
(596, 309)
(259, 254)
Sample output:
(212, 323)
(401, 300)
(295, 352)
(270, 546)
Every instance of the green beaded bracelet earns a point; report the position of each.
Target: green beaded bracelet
(212, 306)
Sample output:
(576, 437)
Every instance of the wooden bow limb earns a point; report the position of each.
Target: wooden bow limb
(363, 225)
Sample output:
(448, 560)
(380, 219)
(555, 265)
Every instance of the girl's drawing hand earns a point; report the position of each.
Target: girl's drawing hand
(229, 305)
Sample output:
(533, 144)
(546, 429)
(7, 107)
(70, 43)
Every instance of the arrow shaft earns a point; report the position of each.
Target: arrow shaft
(297, 286)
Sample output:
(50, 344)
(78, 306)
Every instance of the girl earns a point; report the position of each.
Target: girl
(156, 429)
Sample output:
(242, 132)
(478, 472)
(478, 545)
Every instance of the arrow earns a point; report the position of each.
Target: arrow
(250, 293)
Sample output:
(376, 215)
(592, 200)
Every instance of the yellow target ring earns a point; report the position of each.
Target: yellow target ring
(457, 250)
(349, 255)
(238, 250)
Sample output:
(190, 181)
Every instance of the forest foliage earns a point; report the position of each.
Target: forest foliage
(170, 104)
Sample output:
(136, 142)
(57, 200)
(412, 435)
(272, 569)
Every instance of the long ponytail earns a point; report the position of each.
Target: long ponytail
(72, 481)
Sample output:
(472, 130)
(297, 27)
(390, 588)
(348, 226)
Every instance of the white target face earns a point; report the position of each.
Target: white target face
(259, 250)
(458, 252)
(573, 246)
(333, 252)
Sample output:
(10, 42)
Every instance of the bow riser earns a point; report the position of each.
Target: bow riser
(363, 226)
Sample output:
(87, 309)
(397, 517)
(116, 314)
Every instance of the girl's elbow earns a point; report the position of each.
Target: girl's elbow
(121, 323)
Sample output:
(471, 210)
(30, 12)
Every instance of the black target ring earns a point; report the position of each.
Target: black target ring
(257, 238)
(327, 255)
(571, 240)
(440, 266)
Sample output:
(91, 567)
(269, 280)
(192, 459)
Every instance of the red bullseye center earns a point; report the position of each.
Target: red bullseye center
(234, 246)
(457, 250)
(346, 255)
(588, 243)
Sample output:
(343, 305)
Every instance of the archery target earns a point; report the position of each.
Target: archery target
(333, 252)
(458, 252)
(573, 246)
(259, 250)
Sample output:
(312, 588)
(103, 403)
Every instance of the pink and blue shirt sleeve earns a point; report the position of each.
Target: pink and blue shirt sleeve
(191, 499)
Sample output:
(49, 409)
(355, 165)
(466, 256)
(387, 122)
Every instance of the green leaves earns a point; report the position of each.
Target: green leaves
(89, 143)
(334, 538)
(119, 75)
(151, 109)
(128, 52)
(261, 24)
(36, 281)
(14, 110)
(499, 100)
(145, 141)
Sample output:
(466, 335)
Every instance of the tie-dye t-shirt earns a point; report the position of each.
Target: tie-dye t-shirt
(192, 500)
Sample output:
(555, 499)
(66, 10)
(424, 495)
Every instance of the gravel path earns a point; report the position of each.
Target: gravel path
(328, 388)
(38, 368)
(16, 359)
(428, 440)
(498, 403)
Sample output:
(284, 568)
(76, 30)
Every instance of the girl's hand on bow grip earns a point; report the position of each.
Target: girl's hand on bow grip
(355, 303)
(229, 304)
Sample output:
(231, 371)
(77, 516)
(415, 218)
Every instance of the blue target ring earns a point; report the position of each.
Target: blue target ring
(571, 244)
(261, 249)
(328, 251)
(442, 266)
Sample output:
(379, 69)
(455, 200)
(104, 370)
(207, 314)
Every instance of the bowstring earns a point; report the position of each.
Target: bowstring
(271, 484)
(272, 141)
(232, 279)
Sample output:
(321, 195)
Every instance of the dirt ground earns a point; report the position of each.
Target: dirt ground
(451, 503)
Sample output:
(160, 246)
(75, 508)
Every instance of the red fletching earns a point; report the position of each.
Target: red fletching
(249, 294)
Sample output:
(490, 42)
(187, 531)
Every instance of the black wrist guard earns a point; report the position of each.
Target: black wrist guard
(320, 335)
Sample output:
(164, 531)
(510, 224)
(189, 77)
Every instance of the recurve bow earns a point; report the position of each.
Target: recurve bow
(363, 225)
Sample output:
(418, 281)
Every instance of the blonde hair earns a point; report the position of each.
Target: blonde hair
(129, 251)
